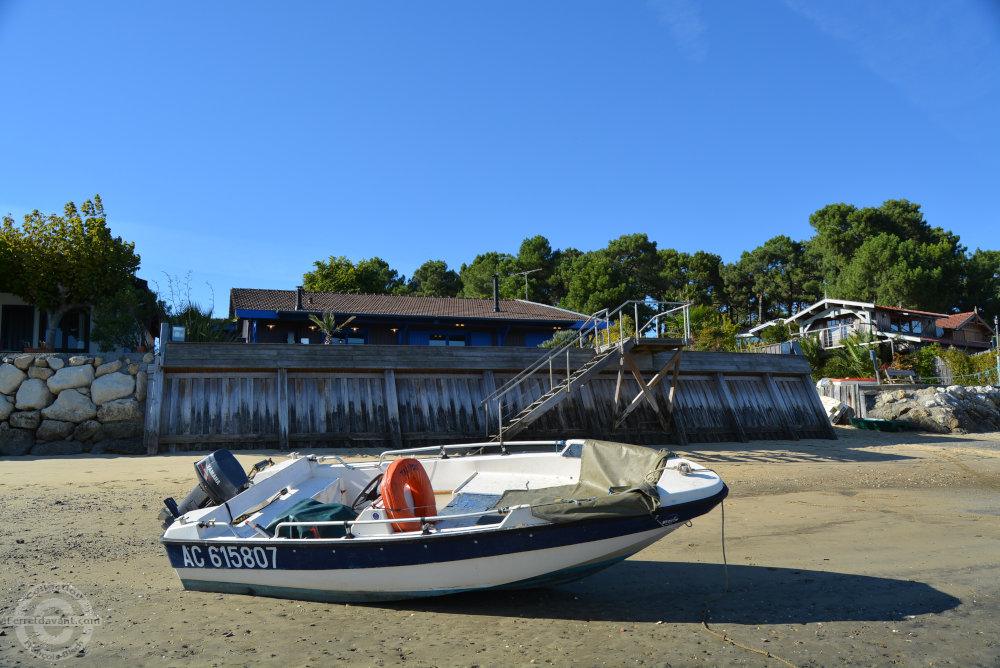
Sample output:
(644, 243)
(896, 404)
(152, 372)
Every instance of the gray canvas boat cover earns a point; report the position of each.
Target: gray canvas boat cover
(613, 483)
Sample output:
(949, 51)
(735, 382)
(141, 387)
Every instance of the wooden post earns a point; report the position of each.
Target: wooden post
(392, 410)
(282, 380)
(154, 394)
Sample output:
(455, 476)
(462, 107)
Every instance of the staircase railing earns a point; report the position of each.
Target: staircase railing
(597, 333)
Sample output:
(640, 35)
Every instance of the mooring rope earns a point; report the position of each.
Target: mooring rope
(704, 617)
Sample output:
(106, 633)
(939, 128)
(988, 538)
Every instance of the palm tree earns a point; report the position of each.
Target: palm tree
(328, 325)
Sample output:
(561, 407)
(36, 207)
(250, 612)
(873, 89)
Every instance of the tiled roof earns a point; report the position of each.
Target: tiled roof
(395, 305)
(954, 321)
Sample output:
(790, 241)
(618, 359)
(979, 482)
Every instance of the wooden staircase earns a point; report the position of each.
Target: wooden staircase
(563, 389)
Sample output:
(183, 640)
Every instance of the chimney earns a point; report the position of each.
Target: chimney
(496, 293)
(298, 298)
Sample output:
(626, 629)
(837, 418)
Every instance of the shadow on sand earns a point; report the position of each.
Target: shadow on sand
(652, 591)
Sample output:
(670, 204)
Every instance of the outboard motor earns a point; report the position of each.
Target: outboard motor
(220, 478)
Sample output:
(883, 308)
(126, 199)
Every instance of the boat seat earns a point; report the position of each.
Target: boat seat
(468, 502)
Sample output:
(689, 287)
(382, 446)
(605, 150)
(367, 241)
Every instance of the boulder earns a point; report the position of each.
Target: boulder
(123, 430)
(15, 442)
(40, 372)
(133, 369)
(56, 448)
(26, 419)
(80, 360)
(147, 358)
(42, 362)
(22, 362)
(140, 386)
(56, 363)
(110, 387)
(33, 394)
(6, 407)
(70, 406)
(10, 378)
(88, 432)
(54, 430)
(105, 369)
(70, 377)
(120, 410)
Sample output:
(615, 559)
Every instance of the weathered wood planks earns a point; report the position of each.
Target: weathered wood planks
(398, 396)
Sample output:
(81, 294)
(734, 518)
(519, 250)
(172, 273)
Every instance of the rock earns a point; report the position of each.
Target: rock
(80, 360)
(54, 430)
(120, 410)
(71, 377)
(56, 363)
(123, 430)
(40, 372)
(88, 432)
(33, 394)
(22, 362)
(133, 369)
(105, 369)
(42, 362)
(140, 386)
(15, 442)
(70, 406)
(110, 387)
(10, 378)
(128, 446)
(55, 448)
(6, 407)
(147, 358)
(26, 419)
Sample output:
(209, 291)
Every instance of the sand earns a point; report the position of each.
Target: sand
(875, 549)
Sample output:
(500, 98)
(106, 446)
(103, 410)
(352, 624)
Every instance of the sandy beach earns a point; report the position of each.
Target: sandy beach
(875, 549)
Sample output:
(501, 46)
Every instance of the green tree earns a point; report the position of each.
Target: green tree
(433, 279)
(981, 284)
(333, 275)
(889, 255)
(127, 319)
(477, 276)
(338, 274)
(68, 262)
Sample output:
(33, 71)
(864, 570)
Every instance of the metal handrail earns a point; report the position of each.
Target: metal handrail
(592, 329)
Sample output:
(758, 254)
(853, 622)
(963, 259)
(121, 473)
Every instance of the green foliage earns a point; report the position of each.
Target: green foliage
(328, 325)
(433, 279)
(712, 330)
(61, 263)
(813, 351)
(853, 359)
(339, 274)
(887, 254)
(199, 325)
(775, 334)
(127, 319)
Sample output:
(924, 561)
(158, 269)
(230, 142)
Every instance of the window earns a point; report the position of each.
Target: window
(447, 340)
(352, 336)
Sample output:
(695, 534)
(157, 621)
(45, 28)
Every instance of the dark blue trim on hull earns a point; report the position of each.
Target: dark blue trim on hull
(340, 553)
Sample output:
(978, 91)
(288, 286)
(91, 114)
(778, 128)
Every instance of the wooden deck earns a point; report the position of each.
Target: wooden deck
(297, 396)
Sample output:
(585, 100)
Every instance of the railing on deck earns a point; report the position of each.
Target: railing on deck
(598, 333)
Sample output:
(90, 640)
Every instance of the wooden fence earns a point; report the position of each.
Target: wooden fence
(295, 396)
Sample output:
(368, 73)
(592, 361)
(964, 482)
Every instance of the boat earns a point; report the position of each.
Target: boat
(429, 521)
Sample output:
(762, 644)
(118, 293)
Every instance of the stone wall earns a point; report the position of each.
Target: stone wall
(58, 404)
(942, 410)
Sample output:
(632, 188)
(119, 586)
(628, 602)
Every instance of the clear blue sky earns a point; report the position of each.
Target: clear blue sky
(243, 140)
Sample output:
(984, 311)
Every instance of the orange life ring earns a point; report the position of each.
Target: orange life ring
(401, 475)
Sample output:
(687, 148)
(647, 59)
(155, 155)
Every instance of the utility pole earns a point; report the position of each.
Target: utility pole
(525, 274)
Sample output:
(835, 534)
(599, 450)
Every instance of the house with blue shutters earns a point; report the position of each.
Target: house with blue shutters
(282, 316)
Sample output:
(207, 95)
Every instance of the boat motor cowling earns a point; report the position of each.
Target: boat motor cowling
(221, 476)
